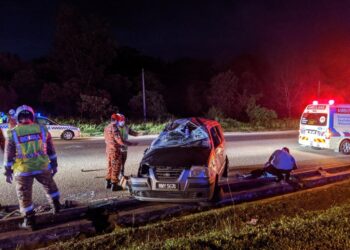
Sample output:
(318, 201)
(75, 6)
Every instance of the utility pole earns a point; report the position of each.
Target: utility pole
(144, 95)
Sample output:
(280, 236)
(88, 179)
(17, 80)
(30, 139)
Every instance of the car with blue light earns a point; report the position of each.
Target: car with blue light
(65, 132)
(183, 164)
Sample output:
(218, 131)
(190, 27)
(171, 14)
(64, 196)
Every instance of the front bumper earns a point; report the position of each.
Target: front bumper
(187, 189)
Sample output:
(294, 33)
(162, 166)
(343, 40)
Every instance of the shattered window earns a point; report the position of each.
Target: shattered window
(182, 133)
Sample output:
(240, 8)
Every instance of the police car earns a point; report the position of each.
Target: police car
(65, 132)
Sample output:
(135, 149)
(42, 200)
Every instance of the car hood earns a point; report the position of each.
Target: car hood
(176, 156)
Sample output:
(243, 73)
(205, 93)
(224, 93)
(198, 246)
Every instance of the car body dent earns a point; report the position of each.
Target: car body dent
(173, 163)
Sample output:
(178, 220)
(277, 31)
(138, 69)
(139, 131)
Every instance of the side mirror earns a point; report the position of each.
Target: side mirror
(144, 152)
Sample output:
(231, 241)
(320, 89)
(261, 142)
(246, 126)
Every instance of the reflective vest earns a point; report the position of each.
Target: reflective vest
(31, 148)
(124, 132)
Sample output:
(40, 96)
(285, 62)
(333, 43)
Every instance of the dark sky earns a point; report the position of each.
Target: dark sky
(171, 29)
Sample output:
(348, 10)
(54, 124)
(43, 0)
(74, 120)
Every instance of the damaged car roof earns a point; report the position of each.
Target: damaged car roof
(184, 142)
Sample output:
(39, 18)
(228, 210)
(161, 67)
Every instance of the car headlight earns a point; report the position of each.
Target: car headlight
(199, 172)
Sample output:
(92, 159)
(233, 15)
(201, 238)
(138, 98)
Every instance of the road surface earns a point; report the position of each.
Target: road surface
(245, 150)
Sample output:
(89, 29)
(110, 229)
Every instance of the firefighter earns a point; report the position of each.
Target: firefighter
(11, 118)
(2, 140)
(3, 117)
(113, 152)
(29, 155)
(125, 131)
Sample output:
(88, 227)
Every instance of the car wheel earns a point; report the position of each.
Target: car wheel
(67, 135)
(225, 173)
(345, 147)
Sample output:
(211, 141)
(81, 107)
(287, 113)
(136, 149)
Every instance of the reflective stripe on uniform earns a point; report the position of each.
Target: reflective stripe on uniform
(32, 155)
(27, 209)
(43, 137)
(53, 157)
(18, 145)
(29, 173)
(8, 164)
(54, 195)
(27, 138)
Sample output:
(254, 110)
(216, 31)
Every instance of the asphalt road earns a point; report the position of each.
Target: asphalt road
(82, 162)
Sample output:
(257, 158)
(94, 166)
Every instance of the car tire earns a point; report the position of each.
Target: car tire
(226, 170)
(67, 135)
(345, 147)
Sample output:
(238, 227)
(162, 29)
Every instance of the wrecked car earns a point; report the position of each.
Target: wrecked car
(183, 164)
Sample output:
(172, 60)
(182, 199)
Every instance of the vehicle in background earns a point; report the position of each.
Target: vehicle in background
(65, 132)
(326, 126)
(184, 163)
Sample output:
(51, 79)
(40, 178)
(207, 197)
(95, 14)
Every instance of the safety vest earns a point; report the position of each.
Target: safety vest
(31, 148)
(124, 131)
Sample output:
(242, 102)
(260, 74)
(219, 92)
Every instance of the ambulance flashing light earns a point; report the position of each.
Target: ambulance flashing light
(330, 102)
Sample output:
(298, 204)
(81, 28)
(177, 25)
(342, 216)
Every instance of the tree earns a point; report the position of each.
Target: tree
(95, 107)
(8, 98)
(83, 47)
(227, 95)
(155, 105)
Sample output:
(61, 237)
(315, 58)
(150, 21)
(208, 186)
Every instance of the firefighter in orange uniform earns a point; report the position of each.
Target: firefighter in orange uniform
(114, 144)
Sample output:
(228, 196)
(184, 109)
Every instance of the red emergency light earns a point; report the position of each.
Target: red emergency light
(330, 102)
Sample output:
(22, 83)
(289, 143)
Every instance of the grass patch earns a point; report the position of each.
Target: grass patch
(229, 125)
(312, 219)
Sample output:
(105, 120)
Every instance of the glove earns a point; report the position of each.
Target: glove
(9, 175)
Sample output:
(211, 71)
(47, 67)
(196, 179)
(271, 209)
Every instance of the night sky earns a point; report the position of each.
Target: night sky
(172, 29)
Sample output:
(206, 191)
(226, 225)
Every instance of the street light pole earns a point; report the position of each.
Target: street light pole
(144, 95)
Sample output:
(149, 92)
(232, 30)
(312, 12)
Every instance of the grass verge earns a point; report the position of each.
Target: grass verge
(146, 128)
(311, 219)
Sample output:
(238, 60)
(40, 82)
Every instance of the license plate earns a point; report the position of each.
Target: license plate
(168, 186)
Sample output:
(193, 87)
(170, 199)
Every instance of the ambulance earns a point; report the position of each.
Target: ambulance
(326, 126)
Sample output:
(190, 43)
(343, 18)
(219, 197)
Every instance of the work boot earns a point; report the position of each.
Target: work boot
(28, 222)
(108, 184)
(56, 206)
(116, 187)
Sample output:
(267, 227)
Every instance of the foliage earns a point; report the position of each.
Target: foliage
(155, 105)
(215, 113)
(260, 116)
(95, 107)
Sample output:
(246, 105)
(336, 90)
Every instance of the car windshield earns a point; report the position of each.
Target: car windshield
(315, 119)
(182, 133)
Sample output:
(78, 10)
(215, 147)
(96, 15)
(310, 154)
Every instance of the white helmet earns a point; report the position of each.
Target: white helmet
(26, 111)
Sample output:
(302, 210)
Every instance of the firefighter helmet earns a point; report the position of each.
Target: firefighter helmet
(24, 111)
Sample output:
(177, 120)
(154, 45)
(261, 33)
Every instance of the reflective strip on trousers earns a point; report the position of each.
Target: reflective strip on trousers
(54, 195)
(25, 210)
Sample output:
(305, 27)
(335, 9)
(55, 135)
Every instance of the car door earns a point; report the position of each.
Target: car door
(52, 127)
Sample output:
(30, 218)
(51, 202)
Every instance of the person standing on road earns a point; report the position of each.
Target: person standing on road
(125, 131)
(280, 163)
(114, 143)
(3, 117)
(11, 118)
(29, 155)
(2, 140)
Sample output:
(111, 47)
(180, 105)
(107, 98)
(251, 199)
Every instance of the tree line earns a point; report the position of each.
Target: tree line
(87, 75)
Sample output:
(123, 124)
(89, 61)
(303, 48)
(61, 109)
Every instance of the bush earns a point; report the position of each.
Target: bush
(215, 114)
(260, 116)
